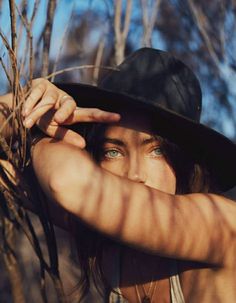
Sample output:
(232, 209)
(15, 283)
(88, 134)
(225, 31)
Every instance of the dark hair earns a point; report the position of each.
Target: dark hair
(190, 177)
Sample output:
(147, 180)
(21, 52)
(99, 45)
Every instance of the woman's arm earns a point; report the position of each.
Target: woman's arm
(197, 227)
(51, 109)
(60, 217)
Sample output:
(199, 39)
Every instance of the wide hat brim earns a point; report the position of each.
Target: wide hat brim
(205, 145)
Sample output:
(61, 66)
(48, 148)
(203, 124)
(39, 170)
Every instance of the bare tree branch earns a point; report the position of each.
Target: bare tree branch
(149, 17)
(6, 72)
(98, 60)
(29, 46)
(13, 25)
(202, 24)
(121, 34)
(36, 4)
(68, 69)
(47, 36)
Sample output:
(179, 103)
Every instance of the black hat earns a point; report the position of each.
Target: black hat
(157, 82)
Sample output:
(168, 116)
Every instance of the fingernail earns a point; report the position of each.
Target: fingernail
(80, 143)
(117, 116)
(28, 123)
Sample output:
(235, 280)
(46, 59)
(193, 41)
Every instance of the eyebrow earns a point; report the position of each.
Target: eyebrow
(114, 141)
(119, 142)
(149, 140)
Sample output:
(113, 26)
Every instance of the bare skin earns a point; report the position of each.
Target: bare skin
(140, 209)
(201, 282)
(197, 228)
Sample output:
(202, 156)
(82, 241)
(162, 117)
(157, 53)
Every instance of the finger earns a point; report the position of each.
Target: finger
(92, 115)
(67, 107)
(35, 95)
(48, 102)
(64, 134)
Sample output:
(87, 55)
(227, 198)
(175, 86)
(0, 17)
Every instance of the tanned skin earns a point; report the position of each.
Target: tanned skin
(124, 199)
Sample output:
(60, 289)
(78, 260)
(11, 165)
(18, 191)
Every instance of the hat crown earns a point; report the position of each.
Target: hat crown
(158, 78)
(163, 86)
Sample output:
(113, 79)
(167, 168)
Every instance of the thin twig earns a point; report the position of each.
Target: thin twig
(68, 69)
(28, 27)
(121, 34)
(35, 9)
(149, 17)
(8, 47)
(20, 27)
(47, 36)
(200, 19)
(98, 61)
(13, 25)
(6, 72)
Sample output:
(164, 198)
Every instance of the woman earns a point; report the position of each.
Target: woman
(146, 207)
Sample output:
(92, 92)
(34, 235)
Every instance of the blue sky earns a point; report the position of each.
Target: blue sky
(62, 18)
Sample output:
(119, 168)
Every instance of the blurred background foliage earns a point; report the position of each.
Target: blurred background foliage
(75, 40)
(202, 33)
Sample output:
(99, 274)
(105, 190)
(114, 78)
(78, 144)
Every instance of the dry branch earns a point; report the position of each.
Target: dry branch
(121, 33)
(6, 72)
(202, 24)
(29, 46)
(98, 61)
(149, 17)
(13, 195)
(69, 69)
(47, 36)
(13, 25)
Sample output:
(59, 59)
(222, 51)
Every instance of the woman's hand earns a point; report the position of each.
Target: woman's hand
(50, 107)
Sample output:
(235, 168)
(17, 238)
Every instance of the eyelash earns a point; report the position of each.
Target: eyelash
(159, 151)
(105, 153)
(109, 157)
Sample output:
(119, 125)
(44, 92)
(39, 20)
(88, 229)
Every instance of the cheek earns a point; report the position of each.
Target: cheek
(114, 167)
(161, 176)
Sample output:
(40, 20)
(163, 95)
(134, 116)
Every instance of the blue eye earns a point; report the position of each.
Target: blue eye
(156, 151)
(112, 153)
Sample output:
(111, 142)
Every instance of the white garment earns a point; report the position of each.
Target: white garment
(176, 293)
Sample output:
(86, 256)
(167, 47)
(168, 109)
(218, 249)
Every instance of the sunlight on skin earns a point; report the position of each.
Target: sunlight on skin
(117, 205)
(131, 151)
(138, 157)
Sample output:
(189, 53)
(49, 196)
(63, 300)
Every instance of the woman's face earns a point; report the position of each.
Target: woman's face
(131, 151)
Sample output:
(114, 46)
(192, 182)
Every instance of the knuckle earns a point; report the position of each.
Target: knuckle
(51, 97)
(29, 99)
(93, 115)
(67, 99)
(37, 81)
(41, 87)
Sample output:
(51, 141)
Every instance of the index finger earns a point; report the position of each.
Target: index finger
(64, 134)
(81, 114)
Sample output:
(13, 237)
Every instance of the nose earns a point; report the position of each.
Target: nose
(136, 171)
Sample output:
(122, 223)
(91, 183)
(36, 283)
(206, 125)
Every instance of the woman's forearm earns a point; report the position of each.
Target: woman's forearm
(132, 212)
